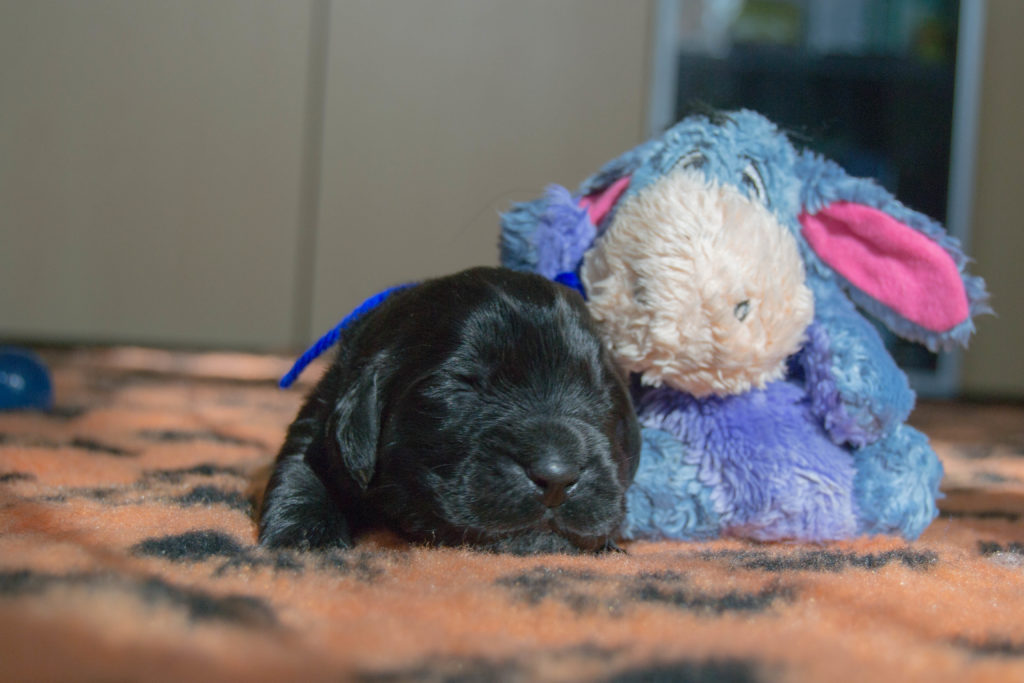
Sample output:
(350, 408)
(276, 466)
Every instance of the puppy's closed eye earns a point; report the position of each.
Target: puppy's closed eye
(478, 408)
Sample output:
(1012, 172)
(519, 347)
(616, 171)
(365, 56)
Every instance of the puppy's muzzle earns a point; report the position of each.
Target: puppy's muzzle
(555, 477)
(556, 462)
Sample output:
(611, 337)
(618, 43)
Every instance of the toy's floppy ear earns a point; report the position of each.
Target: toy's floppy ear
(620, 167)
(600, 203)
(518, 230)
(898, 264)
(549, 235)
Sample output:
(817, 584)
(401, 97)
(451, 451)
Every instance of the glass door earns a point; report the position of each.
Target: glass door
(886, 88)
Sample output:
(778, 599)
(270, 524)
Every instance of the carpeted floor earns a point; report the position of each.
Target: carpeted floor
(127, 552)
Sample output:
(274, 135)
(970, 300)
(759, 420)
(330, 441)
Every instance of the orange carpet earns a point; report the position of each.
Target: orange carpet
(127, 552)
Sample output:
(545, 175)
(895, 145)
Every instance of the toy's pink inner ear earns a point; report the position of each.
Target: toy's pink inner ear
(600, 203)
(890, 261)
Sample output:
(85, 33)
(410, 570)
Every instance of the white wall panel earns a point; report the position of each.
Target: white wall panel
(439, 114)
(150, 162)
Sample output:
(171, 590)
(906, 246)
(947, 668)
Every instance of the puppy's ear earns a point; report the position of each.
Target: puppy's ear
(353, 428)
(627, 437)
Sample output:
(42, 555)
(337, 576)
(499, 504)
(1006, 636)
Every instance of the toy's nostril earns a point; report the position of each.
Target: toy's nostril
(554, 478)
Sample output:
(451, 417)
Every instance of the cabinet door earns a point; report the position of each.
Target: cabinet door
(150, 163)
(994, 366)
(439, 114)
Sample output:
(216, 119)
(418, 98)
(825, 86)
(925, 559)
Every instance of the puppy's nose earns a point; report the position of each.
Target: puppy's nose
(553, 476)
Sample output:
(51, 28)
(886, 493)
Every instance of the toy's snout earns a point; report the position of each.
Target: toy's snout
(698, 287)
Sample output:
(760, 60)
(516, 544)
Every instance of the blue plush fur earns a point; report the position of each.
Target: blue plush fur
(822, 454)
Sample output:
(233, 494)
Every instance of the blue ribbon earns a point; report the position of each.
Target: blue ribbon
(327, 341)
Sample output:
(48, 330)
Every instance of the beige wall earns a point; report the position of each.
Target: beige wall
(150, 156)
(994, 363)
(441, 113)
(239, 173)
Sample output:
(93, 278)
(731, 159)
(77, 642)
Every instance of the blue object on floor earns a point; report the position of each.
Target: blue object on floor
(24, 381)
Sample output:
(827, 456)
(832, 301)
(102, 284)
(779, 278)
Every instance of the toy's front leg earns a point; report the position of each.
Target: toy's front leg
(897, 484)
(856, 389)
(667, 500)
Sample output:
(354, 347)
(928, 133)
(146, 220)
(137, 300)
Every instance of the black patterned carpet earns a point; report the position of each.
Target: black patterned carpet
(127, 552)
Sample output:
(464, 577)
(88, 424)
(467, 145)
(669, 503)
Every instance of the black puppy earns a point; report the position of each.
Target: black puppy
(479, 408)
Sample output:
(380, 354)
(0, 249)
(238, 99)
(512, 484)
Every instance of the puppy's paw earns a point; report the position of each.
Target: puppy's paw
(539, 543)
(298, 512)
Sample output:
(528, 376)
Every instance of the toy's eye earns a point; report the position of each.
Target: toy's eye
(694, 161)
(742, 310)
(752, 179)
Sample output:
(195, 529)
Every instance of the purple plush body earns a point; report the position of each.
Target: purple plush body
(771, 470)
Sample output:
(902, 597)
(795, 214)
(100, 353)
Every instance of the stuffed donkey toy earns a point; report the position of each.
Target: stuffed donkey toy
(728, 272)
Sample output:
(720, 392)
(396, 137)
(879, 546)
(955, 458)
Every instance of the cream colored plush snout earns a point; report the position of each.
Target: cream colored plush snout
(698, 287)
